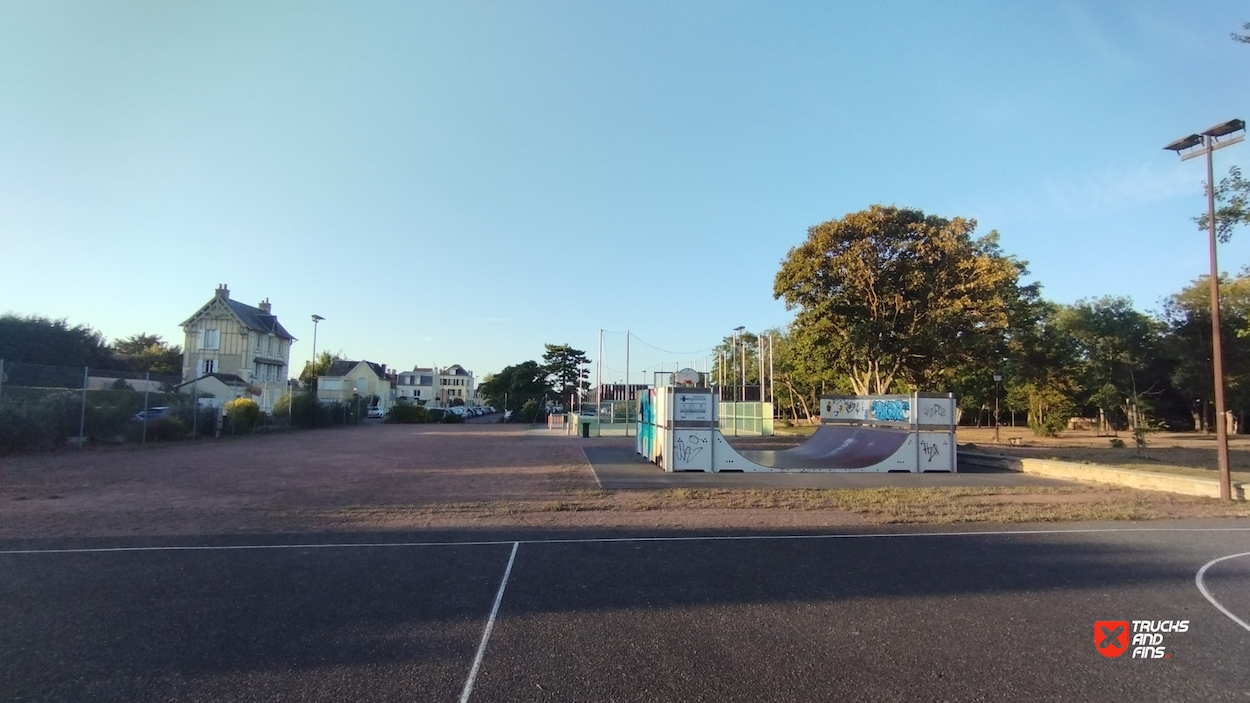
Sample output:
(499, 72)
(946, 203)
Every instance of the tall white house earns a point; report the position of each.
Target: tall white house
(437, 388)
(237, 347)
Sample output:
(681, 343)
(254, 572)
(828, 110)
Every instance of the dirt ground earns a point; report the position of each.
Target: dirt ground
(384, 477)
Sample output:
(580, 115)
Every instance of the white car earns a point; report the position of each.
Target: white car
(375, 413)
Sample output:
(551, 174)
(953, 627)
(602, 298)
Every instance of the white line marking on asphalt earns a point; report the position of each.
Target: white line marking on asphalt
(1207, 594)
(490, 625)
(608, 540)
(592, 469)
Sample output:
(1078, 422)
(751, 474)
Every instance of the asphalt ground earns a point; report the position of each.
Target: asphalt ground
(975, 615)
(622, 468)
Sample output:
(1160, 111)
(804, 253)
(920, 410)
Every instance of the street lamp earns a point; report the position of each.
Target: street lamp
(998, 379)
(315, 320)
(738, 334)
(1188, 148)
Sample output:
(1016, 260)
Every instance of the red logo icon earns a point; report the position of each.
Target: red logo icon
(1111, 637)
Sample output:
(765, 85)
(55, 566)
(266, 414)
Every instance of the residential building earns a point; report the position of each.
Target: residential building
(345, 381)
(417, 385)
(232, 339)
(455, 383)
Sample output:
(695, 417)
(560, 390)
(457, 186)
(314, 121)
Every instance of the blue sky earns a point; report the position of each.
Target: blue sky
(462, 182)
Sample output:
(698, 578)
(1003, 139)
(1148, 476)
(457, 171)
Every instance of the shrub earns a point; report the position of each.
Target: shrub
(242, 414)
(451, 419)
(435, 414)
(407, 414)
(1117, 443)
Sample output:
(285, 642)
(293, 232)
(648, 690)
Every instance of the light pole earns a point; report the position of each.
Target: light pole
(1188, 148)
(998, 379)
(742, 394)
(315, 320)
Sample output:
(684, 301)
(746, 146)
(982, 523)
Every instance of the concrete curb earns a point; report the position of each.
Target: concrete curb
(1097, 473)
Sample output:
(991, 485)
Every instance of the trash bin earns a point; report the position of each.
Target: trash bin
(586, 430)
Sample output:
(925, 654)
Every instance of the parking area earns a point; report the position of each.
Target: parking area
(980, 614)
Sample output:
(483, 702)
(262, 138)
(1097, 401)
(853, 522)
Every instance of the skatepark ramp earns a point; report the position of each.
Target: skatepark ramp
(677, 431)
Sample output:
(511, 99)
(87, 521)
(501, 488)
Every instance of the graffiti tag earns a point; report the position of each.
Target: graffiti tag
(684, 451)
(937, 409)
(849, 408)
(929, 449)
(897, 410)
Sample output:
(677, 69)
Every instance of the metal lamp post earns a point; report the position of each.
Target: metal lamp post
(315, 320)
(1217, 137)
(742, 394)
(1195, 145)
(998, 379)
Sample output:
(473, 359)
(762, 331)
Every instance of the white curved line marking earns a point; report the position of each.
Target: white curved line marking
(1207, 594)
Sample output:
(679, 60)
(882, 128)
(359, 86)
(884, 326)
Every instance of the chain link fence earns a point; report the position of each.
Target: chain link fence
(48, 407)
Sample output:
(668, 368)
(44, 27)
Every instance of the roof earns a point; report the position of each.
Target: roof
(250, 317)
(455, 370)
(257, 319)
(342, 368)
(229, 379)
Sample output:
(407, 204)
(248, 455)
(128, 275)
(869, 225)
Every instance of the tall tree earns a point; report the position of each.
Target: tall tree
(148, 352)
(1187, 315)
(890, 295)
(567, 367)
(1042, 366)
(1120, 351)
(319, 367)
(517, 384)
(40, 340)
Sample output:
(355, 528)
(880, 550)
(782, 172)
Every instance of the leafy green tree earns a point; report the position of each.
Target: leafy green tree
(39, 340)
(1243, 38)
(148, 352)
(567, 367)
(1042, 366)
(518, 384)
(1118, 347)
(1187, 315)
(1232, 197)
(320, 367)
(890, 295)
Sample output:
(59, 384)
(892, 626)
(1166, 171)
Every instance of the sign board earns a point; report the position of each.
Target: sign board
(693, 406)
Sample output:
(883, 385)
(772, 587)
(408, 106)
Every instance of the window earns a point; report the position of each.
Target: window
(209, 365)
(258, 344)
(270, 346)
(210, 339)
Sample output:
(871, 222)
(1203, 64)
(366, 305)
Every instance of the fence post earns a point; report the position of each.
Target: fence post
(82, 414)
(147, 384)
(195, 407)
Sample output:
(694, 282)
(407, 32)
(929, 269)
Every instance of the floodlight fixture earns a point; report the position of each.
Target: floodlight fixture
(1225, 129)
(1184, 143)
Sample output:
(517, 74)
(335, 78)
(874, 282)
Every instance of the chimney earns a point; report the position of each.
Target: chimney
(223, 292)
(264, 306)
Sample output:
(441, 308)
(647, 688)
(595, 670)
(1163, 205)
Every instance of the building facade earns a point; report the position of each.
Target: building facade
(235, 339)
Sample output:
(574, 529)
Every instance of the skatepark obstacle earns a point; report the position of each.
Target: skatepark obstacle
(678, 431)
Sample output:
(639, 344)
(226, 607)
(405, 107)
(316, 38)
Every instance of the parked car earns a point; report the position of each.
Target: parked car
(375, 413)
(151, 414)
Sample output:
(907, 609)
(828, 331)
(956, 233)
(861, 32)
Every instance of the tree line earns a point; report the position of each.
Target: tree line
(36, 339)
(891, 300)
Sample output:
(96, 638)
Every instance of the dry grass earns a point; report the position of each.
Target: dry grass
(873, 505)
